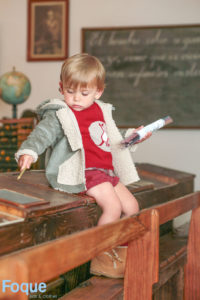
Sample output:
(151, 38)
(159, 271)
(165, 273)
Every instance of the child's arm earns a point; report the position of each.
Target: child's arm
(131, 131)
(44, 135)
(143, 133)
(25, 161)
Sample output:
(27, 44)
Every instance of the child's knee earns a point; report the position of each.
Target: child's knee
(115, 210)
(132, 207)
(136, 207)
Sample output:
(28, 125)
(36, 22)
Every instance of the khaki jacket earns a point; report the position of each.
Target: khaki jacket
(58, 131)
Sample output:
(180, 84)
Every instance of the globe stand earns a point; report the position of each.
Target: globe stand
(14, 111)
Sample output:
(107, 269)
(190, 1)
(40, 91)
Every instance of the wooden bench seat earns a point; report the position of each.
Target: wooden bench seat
(96, 288)
(143, 266)
(172, 258)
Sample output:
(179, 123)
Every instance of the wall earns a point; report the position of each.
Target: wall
(177, 149)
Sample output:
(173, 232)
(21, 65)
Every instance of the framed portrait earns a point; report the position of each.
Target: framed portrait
(47, 30)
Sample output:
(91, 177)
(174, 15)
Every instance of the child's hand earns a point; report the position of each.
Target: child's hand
(25, 161)
(144, 138)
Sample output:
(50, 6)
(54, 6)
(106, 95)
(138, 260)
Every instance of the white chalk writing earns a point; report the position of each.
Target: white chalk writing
(148, 54)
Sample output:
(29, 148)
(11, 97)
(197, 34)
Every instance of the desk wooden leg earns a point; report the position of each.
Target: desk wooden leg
(192, 268)
(142, 269)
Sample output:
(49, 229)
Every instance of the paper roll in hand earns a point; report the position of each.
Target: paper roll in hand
(140, 134)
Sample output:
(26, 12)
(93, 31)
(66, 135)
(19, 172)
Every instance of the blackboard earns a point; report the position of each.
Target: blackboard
(151, 72)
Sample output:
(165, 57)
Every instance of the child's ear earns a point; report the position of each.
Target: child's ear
(98, 94)
(61, 87)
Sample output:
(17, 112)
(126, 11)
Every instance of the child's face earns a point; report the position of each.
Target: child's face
(80, 98)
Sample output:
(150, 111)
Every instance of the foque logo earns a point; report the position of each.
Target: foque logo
(24, 287)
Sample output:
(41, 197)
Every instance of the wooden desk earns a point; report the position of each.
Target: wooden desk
(64, 213)
(68, 213)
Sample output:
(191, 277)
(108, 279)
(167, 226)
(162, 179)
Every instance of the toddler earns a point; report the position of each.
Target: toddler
(83, 142)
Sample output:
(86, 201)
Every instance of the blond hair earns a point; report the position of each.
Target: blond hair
(82, 70)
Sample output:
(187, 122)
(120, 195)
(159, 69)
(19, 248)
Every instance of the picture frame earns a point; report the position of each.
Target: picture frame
(48, 30)
(151, 72)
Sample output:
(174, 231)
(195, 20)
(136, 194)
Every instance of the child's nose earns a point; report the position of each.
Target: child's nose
(77, 96)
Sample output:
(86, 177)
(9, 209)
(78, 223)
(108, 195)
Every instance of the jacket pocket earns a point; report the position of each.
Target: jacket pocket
(71, 171)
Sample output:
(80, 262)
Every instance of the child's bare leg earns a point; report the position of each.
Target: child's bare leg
(111, 263)
(128, 201)
(108, 200)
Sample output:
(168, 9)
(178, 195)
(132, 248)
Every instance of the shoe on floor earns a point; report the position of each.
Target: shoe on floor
(111, 263)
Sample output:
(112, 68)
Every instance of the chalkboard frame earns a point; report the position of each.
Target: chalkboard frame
(87, 30)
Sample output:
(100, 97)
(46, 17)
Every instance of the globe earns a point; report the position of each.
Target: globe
(15, 87)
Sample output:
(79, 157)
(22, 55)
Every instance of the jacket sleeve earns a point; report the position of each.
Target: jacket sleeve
(44, 135)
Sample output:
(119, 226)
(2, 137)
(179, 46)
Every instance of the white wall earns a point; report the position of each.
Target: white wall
(177, 149)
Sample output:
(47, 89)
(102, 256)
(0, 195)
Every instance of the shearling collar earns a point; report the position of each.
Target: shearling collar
(70, 125)
(68, 120)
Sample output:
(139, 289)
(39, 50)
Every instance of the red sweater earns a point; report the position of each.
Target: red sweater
(95, 140)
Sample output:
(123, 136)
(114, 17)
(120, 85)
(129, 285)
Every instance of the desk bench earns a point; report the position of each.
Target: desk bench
(143, 265)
